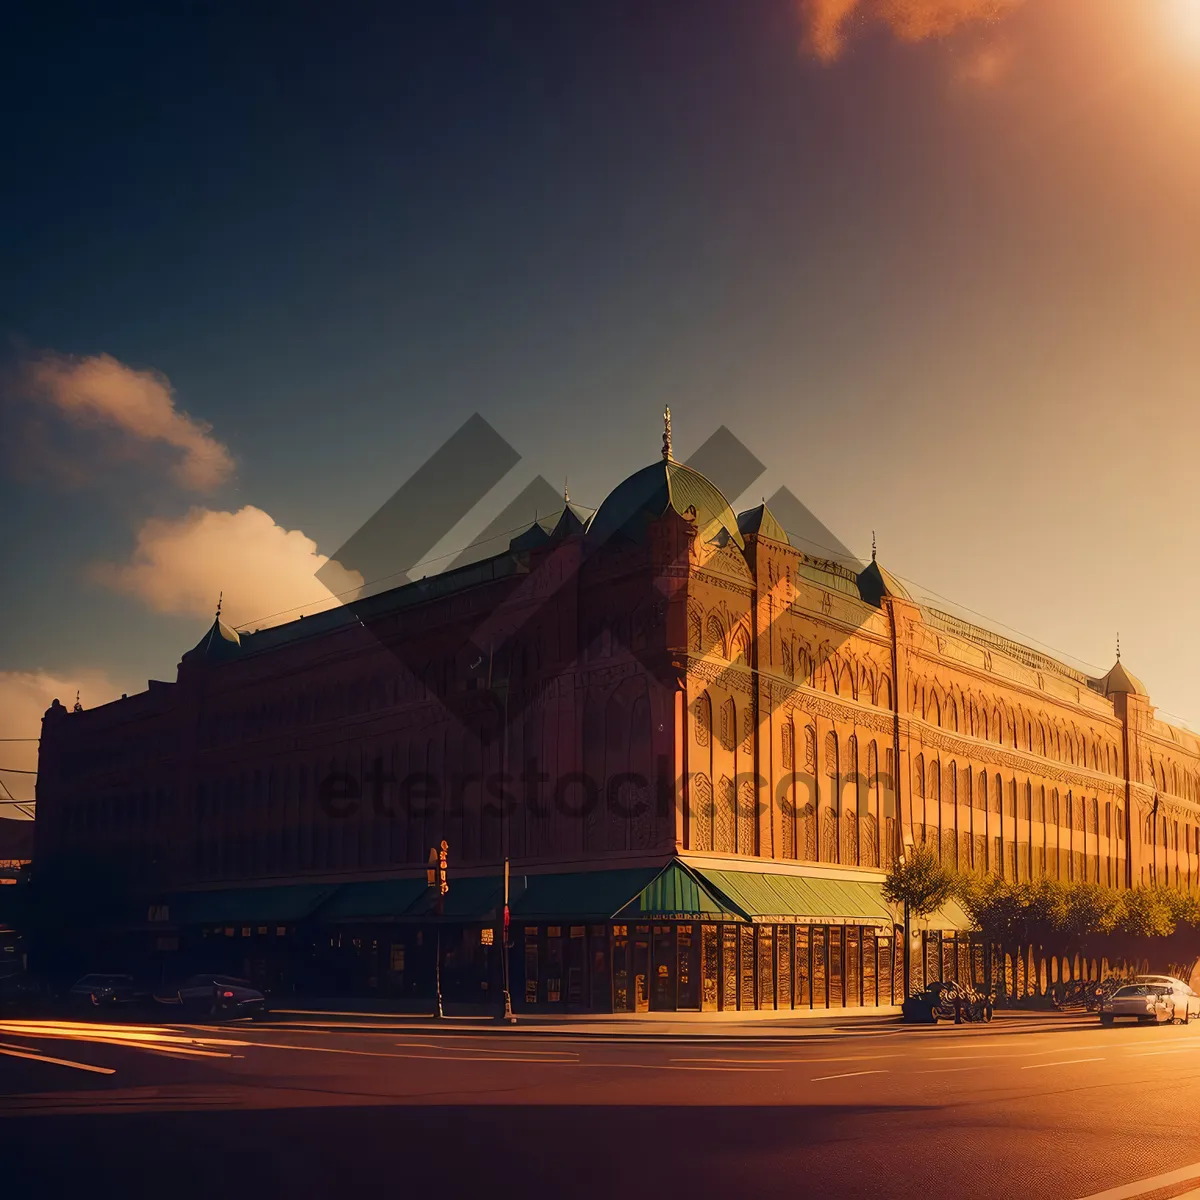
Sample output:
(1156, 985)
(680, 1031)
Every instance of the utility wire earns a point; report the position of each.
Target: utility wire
(404, 570)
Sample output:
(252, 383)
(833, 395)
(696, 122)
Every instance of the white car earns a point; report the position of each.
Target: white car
(1151, 999)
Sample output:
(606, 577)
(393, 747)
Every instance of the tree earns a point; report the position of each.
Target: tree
(920, 883)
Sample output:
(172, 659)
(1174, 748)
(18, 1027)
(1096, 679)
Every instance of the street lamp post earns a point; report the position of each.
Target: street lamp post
(502, 690)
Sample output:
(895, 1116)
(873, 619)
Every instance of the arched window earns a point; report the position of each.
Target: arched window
(695, 625)
(702, 719)
(702, 813)
(725, 822)
(728, 724)
(951, 714)
(714, 636)
(739, 646)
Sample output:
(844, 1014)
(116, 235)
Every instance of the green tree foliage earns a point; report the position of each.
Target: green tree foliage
(920, 881)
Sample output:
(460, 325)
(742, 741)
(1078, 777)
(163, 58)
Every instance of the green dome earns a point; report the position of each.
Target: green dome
(649, 493)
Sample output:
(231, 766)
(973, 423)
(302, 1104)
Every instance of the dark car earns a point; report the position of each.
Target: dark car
(21, 994)
(106, 991)
(211, 995)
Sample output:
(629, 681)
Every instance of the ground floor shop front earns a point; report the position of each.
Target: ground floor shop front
(666, 937)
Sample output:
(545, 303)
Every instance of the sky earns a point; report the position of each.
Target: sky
(935, 262)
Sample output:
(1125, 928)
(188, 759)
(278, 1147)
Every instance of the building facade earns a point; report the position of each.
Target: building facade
(697, 747)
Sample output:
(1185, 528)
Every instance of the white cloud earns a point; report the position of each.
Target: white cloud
(267, 573)
(98, 392)
(24, 697)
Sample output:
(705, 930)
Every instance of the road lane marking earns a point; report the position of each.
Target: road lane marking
(774, 1061)
(11, 1052)
(847, 1075)
(1155, 1183)
(1066, 1062)
(668, 1067)
(550, 1054)
(946, 1070)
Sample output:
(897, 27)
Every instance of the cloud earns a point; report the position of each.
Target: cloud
(828, 24)
(137, 407)
(986, 66)
(24, 697)
(267, 573)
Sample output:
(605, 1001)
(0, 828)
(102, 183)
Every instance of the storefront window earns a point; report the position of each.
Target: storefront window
(729, 966)
(531, 964)
(802, 988)
(746, 949)
(836, 937)
(783, 951)
(710, 959)
(869, 974)
(554, 964)
(819, 967)
(853, 966)
(686, 975)
(766, 966)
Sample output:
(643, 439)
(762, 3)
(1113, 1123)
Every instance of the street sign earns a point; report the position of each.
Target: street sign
(443, 882)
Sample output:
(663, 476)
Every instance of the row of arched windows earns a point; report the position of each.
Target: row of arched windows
(992, 721)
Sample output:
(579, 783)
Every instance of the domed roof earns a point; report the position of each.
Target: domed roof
(761, 522)
(218, 644)
(533, 537)
(649, 493)
(875, 582)
(1119, 681)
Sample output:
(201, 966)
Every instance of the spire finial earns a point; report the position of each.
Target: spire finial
(566, 493)
(220, 600)
(667, 434)
(78, 707)
(1118, 647)
(872, 545)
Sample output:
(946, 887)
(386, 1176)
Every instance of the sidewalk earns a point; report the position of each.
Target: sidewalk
(334, 1015)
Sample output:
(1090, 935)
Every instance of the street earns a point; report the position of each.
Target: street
(1046, 1107)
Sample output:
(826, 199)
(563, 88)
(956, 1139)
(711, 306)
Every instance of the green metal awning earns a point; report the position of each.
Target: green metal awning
(950, 918)
(767, 897)
(582, 895)
(373, 900)
(474, 898)
(677, 891)
(284, 905)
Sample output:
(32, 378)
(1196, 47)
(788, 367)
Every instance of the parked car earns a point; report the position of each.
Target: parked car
(211, 995)
(106, 991)
(1147, 1000)
(21, 994)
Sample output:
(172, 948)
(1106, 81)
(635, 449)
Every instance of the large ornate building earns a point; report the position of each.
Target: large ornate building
(698, 747)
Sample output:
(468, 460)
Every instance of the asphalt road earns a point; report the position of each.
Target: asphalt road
(1054, 1109)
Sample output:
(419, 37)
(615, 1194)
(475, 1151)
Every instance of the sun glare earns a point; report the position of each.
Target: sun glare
(1184, 27)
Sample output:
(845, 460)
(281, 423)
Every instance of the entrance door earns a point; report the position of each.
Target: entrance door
(662, 997)
(641, 968)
